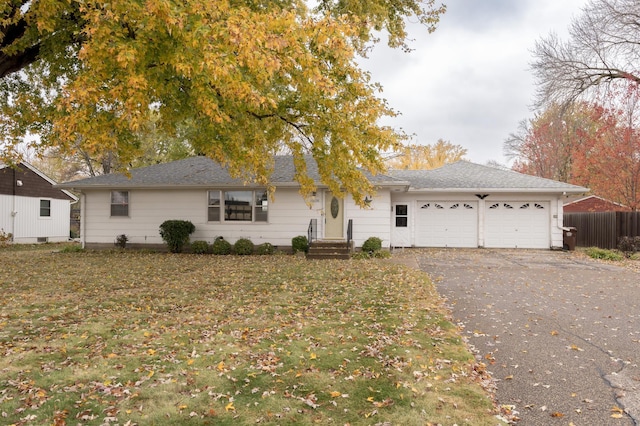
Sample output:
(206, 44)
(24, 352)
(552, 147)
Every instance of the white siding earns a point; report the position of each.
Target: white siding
(27, 225)
(289, 216)
(553, 227)
(6, 206)
(374, 221)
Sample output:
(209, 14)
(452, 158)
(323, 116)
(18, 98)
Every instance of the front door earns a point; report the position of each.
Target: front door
(333, 216)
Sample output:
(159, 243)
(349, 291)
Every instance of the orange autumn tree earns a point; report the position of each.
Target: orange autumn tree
(609, 161)
(250, 77)
(590, 145)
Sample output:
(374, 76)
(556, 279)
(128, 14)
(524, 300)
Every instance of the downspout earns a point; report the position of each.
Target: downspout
(13, 206)
(83, 208)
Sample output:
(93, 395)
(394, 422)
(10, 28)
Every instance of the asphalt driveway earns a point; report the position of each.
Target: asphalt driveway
(560, 333)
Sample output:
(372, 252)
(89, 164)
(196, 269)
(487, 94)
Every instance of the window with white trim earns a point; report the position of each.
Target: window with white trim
(119, 203)
(402, 215)
(45, 208)
(237, 206)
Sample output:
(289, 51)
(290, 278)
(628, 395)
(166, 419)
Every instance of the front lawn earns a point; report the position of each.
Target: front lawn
(152, 339)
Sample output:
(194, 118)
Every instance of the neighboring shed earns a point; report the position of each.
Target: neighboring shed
(31, 209)
(592, 204)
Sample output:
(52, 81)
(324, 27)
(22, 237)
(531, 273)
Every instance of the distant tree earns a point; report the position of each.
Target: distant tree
(609, 162)
(250, 76)
(592, 145)
(603, 47)
(425, 157)
(545, 146)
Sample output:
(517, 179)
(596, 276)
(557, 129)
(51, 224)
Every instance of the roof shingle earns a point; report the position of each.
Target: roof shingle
(466, 175)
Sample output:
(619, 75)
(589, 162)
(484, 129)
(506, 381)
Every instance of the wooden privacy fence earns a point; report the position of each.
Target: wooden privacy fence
(603, 229)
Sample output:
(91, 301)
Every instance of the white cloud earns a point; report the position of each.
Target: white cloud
(469, 82)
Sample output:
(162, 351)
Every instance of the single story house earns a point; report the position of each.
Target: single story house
(31, 209)
(458, 205)
(593, 203)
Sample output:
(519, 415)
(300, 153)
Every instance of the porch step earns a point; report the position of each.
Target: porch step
(329, 249)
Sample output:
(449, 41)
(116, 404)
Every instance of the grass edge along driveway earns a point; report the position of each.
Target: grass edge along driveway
(153, 338)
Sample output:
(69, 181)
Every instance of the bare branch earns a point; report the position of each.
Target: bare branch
(604, 46)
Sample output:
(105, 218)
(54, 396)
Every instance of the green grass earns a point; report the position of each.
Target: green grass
(604, 254)
(162, 339)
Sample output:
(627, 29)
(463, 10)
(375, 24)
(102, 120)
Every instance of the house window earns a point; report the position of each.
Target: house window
(236, 206)
(213, 214)
(402, 215)
(119, 203)
(45, 208)
(261, 206)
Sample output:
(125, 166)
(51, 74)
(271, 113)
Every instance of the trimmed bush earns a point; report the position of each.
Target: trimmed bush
(176, 233)
(372, 245)
(265, 249)
(221, 246)
(200, 247)
(300, 243)
(629, 245)
(243, 247)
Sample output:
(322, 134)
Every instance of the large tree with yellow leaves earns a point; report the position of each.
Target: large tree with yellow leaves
(248, 77)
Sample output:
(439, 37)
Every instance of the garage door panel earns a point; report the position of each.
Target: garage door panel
(515, 224)
(447, 224)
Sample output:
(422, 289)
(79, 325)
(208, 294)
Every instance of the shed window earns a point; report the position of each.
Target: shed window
(45, 208)
(119, 203)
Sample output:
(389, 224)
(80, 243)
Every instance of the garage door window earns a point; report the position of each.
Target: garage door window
(402, 215)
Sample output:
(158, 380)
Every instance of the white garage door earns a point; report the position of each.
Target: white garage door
(447, 224)
(522, 224)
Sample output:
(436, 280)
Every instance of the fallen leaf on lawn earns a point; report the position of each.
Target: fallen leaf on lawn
(230, 407)
(335, 394)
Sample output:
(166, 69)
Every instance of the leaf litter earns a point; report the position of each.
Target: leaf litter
(142, 338)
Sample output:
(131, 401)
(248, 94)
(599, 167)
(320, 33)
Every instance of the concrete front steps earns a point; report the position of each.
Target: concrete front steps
(329, 249)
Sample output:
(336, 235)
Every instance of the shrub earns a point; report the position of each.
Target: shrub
(176, 233)
(372, 245)
(121, 241)
(200, 247)
(243, 247)
(221, 246)
(629, 245)
(72, 248)
(265, 249)
(598, 253)
(300, 243)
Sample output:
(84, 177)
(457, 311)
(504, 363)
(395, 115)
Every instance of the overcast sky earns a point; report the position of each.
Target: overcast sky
(470, 82)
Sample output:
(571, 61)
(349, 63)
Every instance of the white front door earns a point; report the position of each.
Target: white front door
(334, 216)
(400, 229)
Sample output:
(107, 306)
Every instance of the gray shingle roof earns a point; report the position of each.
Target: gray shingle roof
(203, 171)
(465, 175)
